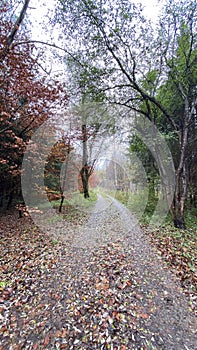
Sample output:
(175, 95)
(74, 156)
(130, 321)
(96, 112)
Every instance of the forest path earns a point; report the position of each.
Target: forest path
(97, 284)
(112, 223)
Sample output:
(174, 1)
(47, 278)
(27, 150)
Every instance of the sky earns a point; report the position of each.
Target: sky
(38, 9)
(152, 8)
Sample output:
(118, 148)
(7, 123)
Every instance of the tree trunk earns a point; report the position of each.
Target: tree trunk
(181, 174)
(62, 200)
(180, 199)
(85, 169)
(62, 188)
(85, 179)
(10, 198)
(14, 31)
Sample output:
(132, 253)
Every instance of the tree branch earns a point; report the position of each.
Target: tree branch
(17, 24)
(14, 31)
(135, 85)
(50, 45)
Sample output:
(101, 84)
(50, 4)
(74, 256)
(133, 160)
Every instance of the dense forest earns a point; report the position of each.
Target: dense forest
(127, 78)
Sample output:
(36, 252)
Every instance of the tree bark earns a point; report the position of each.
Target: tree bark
(62, 200)
(62, 188)
(181, 173)
(85, 169)
(85, 179)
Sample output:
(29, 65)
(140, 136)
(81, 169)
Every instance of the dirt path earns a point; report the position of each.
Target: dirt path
(107, 288)
(111, 222)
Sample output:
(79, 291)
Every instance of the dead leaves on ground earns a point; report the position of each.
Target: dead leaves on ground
(179, 249)
(48, 302)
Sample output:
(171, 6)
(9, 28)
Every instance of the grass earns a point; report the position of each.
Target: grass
(141, 204)
(4, 284)
(75, 207)
(78, 201)
(72, 199)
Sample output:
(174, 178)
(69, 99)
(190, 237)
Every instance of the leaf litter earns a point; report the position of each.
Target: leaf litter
(57, 296)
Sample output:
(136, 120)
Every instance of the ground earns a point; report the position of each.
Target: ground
(90, 281)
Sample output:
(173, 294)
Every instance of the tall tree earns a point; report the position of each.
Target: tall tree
(92, 124)
(179, 92)
(117, 52)
(27, 99)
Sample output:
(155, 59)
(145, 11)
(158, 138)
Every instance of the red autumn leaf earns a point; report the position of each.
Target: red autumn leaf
(144, 316)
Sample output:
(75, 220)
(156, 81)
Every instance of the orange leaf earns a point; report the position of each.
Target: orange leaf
(123, 347)
(46, 340)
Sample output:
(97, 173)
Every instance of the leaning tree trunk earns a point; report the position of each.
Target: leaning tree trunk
(177, 207)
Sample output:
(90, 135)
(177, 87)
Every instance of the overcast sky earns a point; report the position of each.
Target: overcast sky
(38, 9)
(152, 7)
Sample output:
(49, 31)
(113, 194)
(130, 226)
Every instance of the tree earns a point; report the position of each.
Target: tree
(179, 94)
(86, 169)
(122, 59)
(92, 124)
(27, 99)
(58, 160)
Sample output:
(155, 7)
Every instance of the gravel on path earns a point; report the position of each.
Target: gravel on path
(105, 287)
(111, 222)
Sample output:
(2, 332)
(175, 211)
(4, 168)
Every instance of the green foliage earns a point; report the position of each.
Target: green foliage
(79, 202)
(3, 284)
(152, 73)
(150, 80)
(121, 196)
(52, 176)
(55, 241)
(190, 218)
(138, 147)
(141, 203)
